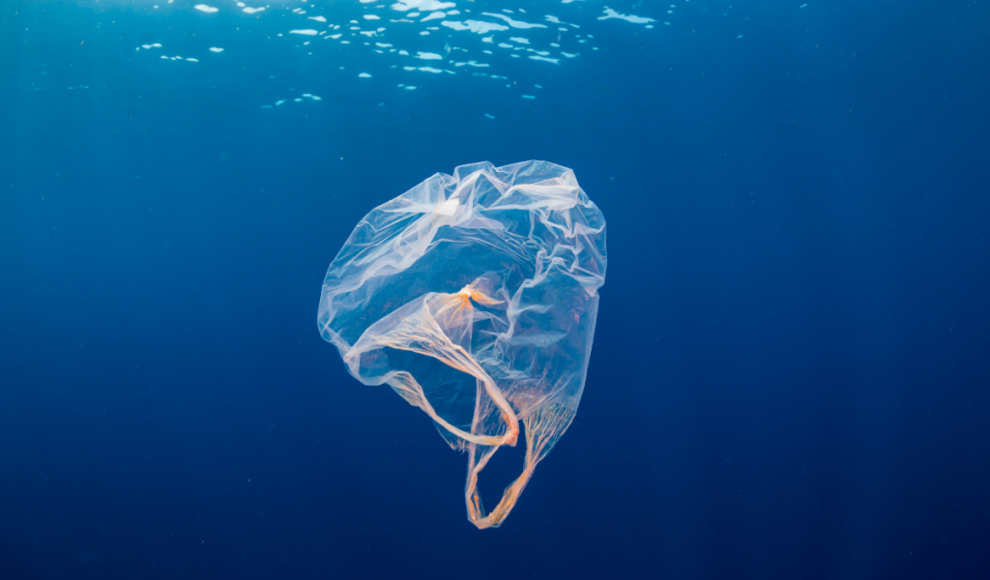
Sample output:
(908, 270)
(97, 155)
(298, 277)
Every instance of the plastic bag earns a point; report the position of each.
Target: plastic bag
(474, 296)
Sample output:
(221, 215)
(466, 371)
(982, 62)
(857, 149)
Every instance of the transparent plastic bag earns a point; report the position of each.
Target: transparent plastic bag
(474, 296)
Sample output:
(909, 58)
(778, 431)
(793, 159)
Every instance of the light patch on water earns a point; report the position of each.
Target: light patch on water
(423, 5)
(609, 13)
(514, 23)
(475, 26)
(397, 31)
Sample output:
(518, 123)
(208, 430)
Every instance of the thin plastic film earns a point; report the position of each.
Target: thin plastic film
(474, 296)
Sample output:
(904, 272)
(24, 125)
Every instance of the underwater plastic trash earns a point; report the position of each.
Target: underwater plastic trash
(474, 296)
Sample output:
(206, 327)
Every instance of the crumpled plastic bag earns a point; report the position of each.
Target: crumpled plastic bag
(474, 296)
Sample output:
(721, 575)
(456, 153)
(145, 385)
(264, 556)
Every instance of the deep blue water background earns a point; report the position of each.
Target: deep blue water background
(791, 367)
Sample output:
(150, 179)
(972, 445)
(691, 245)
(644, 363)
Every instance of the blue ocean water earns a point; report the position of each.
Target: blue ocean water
(791, 365)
